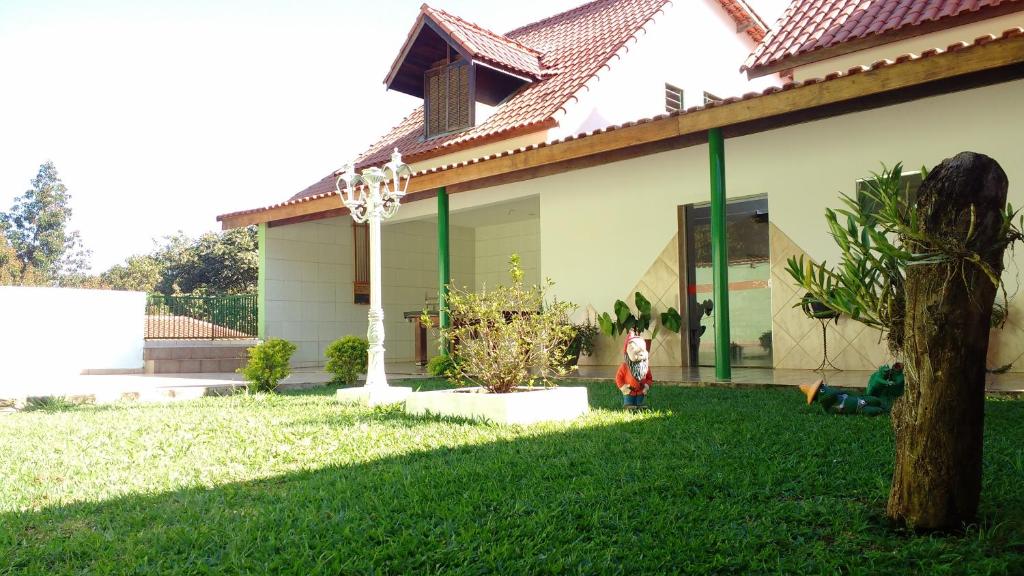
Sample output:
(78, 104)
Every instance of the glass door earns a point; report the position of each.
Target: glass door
(750, 322)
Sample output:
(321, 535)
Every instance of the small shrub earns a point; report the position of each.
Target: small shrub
(48, 404)
(346, 358)
(508, 336)
(268, 365)
(441, 366)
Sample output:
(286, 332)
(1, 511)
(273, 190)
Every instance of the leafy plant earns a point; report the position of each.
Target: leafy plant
(625, 320)
(766, 340)
(508, 336)
(880, 238)
(671, 320)
(268, 365)
(442, 366)
(581, 342)
(347, 358)
(48, 404)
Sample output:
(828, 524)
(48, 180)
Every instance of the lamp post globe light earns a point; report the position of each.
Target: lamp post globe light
(371, 197)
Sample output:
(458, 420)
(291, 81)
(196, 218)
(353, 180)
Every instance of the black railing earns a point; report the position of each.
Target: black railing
(201, 317)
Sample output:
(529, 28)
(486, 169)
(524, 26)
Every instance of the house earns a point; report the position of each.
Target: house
(588, 145)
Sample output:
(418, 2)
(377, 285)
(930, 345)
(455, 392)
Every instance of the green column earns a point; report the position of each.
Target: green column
(719, 254)
(443, 262)
(261, 283)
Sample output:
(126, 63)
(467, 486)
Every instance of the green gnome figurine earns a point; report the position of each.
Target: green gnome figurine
(884, 386)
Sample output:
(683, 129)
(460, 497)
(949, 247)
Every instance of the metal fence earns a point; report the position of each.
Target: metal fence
(201, 317)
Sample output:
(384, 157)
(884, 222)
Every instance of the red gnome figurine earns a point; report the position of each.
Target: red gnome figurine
(634, 375)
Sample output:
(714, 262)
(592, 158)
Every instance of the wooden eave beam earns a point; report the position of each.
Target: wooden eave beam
(800, 104)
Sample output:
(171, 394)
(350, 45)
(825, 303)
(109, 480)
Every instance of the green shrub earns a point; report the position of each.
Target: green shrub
(508, 336)
(441, 366)
(346, 358)
(268, 365)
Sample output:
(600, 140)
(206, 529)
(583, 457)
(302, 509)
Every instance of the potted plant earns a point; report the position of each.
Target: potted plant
(511, 342)
(581, 343)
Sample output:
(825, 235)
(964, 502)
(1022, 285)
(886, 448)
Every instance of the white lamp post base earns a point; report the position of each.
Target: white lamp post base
(373, 396)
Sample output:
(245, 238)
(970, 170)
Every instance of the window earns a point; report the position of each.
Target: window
(909, 183)
(449, 103)
(673, 98)
(710, 98)
(361, 285)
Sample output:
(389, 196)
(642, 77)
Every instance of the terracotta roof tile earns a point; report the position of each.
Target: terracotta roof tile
(325, 187)
(571, 48)
(808, 26)
(485, 45)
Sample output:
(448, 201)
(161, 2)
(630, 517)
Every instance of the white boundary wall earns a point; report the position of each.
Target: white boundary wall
(66, 331)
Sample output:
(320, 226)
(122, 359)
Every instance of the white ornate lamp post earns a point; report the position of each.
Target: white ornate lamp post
(371, 197)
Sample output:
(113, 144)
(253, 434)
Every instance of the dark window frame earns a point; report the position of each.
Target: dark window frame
(910, 182)
(360, 263)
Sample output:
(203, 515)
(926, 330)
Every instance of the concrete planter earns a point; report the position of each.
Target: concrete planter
(528, 406)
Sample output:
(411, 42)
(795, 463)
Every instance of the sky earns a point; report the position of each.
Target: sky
(159, 115)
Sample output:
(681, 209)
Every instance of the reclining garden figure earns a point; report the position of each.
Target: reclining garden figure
(884, 386)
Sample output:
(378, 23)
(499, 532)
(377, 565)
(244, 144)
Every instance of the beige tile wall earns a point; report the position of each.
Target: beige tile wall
(496, 243)
(310, 274)
(797, 340)
(660, 285)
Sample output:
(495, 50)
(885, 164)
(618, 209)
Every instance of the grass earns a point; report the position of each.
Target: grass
(712, 481)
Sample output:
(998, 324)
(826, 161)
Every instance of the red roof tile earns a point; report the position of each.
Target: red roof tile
(572, 48)
(809, 26)
(485, 45)
(326, 187)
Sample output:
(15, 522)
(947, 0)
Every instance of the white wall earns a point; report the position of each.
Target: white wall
(693, 45)
(916, 45)
(496, 243)
(65, 331)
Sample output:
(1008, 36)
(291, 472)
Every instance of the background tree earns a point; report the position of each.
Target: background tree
(139, 272)
(927, 274)
(14, 272)
(36, 227)
(214, 263)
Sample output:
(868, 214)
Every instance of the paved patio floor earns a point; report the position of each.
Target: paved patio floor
(169, 387)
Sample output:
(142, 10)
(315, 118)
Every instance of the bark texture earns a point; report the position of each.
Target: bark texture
(940, 419)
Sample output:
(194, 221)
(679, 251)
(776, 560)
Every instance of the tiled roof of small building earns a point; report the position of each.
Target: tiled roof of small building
(487, 46)
(809, 26)
(572, 48)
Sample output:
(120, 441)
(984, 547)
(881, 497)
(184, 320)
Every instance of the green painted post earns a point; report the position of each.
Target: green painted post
(443, 263)
(261, 283)
(719, 254)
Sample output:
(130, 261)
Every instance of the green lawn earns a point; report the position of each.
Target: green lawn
(712, 481)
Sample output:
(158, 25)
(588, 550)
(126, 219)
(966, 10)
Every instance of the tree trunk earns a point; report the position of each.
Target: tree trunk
(940, 420)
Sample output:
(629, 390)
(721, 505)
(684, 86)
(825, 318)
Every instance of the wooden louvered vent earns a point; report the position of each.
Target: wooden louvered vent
(449, 105)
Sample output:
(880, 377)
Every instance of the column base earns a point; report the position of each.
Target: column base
(373, 396)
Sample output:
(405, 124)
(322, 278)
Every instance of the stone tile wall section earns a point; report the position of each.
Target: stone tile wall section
(797, 340)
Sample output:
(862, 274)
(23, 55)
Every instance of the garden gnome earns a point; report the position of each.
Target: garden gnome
(634, 376)
(836, 401)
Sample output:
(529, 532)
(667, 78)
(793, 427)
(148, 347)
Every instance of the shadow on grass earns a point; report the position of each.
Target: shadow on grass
(715, 481)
